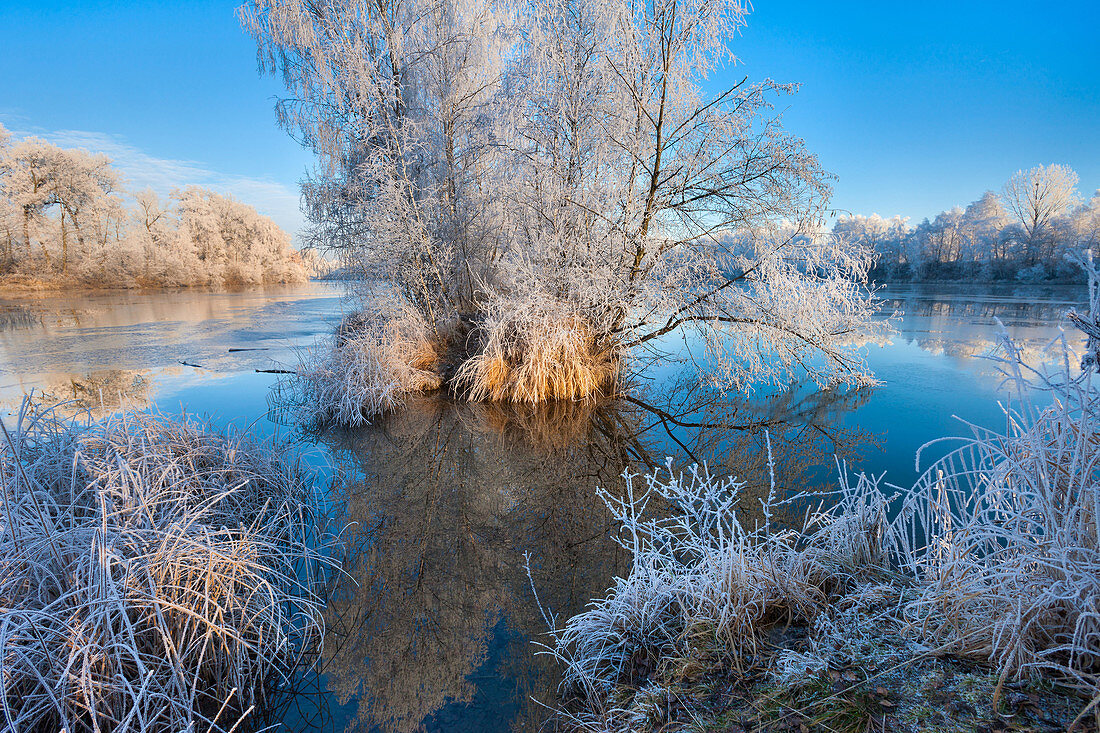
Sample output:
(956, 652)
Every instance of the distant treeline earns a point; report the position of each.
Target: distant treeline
(1021, 233)
(65, 217)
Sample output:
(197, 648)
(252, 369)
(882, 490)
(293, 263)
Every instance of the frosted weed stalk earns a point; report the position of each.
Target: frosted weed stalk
(153, 576)
(1011, 571)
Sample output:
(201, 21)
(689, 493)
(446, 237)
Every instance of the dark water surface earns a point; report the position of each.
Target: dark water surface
(432, 630)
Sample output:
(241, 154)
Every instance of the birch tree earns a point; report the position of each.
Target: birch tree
(1037, 197)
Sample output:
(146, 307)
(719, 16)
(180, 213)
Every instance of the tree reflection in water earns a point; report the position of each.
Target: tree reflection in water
(431, 629)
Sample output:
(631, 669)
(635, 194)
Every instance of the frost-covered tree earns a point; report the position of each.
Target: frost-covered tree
(887, 238)
(8, 211)
(153, 226)
(940, 241)
(82, 186)
(1082, 226)
(983, 225)
(399, 100)
(1037, 197)
(26, 185)
(65, 217)
(551, 189)
(233, 244)
(991, 238)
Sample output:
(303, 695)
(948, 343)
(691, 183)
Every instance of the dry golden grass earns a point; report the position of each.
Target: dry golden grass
(424, 354)
(536, 358)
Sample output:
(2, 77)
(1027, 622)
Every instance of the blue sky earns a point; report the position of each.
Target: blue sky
(916, 107)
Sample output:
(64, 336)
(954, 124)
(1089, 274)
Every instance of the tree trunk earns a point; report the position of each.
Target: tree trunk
(64, 245)
(27, 229)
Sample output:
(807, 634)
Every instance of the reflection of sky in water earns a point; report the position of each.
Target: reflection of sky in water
(434, 632)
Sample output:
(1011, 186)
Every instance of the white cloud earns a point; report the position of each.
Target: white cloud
(142, 170)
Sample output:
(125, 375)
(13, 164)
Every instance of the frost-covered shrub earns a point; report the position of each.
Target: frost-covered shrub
(696, 566)
(368, 367)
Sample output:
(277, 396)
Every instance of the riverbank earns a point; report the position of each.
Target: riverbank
(835, 621)
(16, 284)
(878, 683)
(969, 601)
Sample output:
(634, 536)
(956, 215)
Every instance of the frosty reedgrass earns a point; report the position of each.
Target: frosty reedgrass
(368, 367)
(526, 354)
(699, 571)
(536, 352)
(154, 576)
(1003, 532)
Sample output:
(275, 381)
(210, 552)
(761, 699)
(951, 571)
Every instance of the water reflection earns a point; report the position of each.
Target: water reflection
(961, 322)
(432, 629)
(436, 622)
(47, 339)
(16, 315)
(98, 393)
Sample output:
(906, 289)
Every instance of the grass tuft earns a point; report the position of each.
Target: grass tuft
(154, 576)
(369, 367)
(536, 354)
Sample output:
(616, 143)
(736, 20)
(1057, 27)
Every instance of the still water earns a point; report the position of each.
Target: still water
(432, 629)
